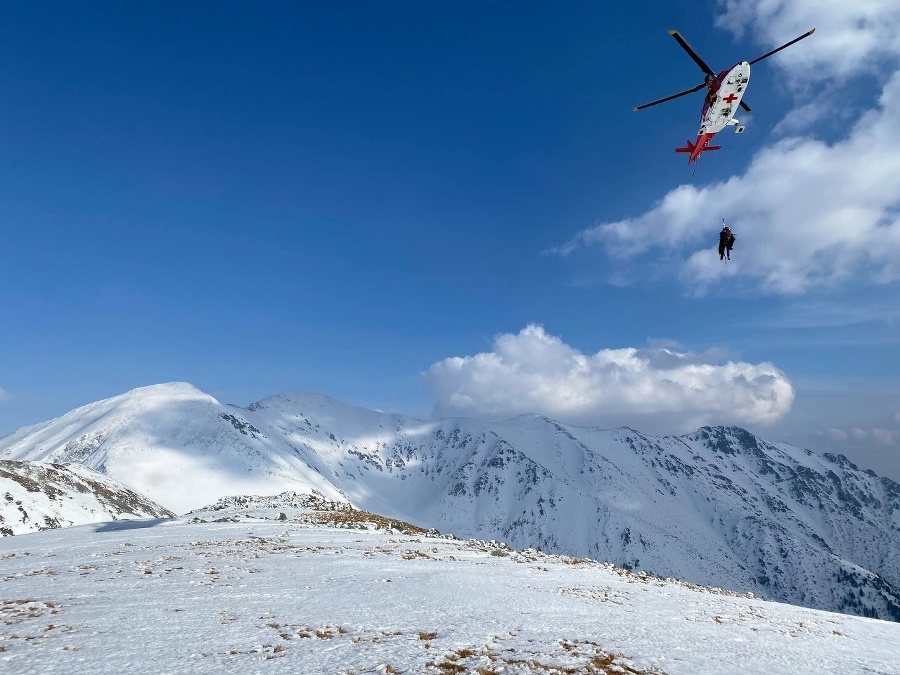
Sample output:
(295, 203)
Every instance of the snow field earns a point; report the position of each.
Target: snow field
(259, 596)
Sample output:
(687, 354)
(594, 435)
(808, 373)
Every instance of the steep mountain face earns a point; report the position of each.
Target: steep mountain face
(36, 496)
(718, 507)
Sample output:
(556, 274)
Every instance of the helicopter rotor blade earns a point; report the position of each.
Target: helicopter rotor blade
(785, 45)
(669, 98)
(694, 55)
(746, 107)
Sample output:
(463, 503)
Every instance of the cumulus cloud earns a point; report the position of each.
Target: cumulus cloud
(851, 37)
(856, 422)
(879, 435)
(822, 106)
(836, 434)
(655, 389)
(807, 213)
(886, 437)
(814, 214)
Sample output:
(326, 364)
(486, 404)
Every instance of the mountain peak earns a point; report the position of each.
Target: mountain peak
(718, 506)
(173, 390)
(301, 398)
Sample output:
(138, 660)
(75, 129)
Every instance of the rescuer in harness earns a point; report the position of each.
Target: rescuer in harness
(726, 242)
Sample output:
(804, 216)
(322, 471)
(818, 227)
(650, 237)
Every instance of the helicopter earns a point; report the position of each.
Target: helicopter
(724, 93)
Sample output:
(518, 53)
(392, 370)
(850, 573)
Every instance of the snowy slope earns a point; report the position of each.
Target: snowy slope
(173, 443)
(718, 507)
(37, 496)
(254, 595)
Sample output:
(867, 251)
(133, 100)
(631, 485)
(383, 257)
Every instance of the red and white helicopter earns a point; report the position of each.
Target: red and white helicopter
(723, 95)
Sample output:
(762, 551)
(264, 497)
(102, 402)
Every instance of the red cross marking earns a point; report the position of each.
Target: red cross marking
(731, 98)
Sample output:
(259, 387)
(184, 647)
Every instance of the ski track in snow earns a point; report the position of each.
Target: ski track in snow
(262, 596)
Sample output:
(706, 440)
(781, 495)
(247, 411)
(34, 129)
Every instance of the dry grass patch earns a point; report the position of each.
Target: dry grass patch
(15, 611)
(412, 554)
(364, 518)
(427, 636)
(447, 667)
(578, 561)
(574, 657)
(537, 666)
(48, 571)
(613, 663)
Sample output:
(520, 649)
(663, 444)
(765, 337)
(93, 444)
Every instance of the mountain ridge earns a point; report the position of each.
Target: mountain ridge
(38, 496)
(718, 506)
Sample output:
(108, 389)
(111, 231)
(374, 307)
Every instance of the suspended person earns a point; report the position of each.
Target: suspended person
(726, 242)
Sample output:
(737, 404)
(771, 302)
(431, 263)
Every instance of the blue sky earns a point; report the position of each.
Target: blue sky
(451, 208)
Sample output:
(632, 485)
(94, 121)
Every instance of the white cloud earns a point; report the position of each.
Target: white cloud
(837, 434)
(868, 305)
(878, 435)
(884, 436)
(806, 214)
(823, 106)
(855, 420)
(656, 390)
(850, 37)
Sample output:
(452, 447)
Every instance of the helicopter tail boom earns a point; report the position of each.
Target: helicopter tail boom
(698, 148)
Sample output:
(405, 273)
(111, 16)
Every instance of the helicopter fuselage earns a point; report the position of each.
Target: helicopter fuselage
(724, 93)
(723, 96)
(722, 101)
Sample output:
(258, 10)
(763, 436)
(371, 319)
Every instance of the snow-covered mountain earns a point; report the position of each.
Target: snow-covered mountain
(278, 585)
(718, 507)
(37, 496)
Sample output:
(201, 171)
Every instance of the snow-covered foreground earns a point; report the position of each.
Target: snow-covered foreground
(262, 595)
(719, 507)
